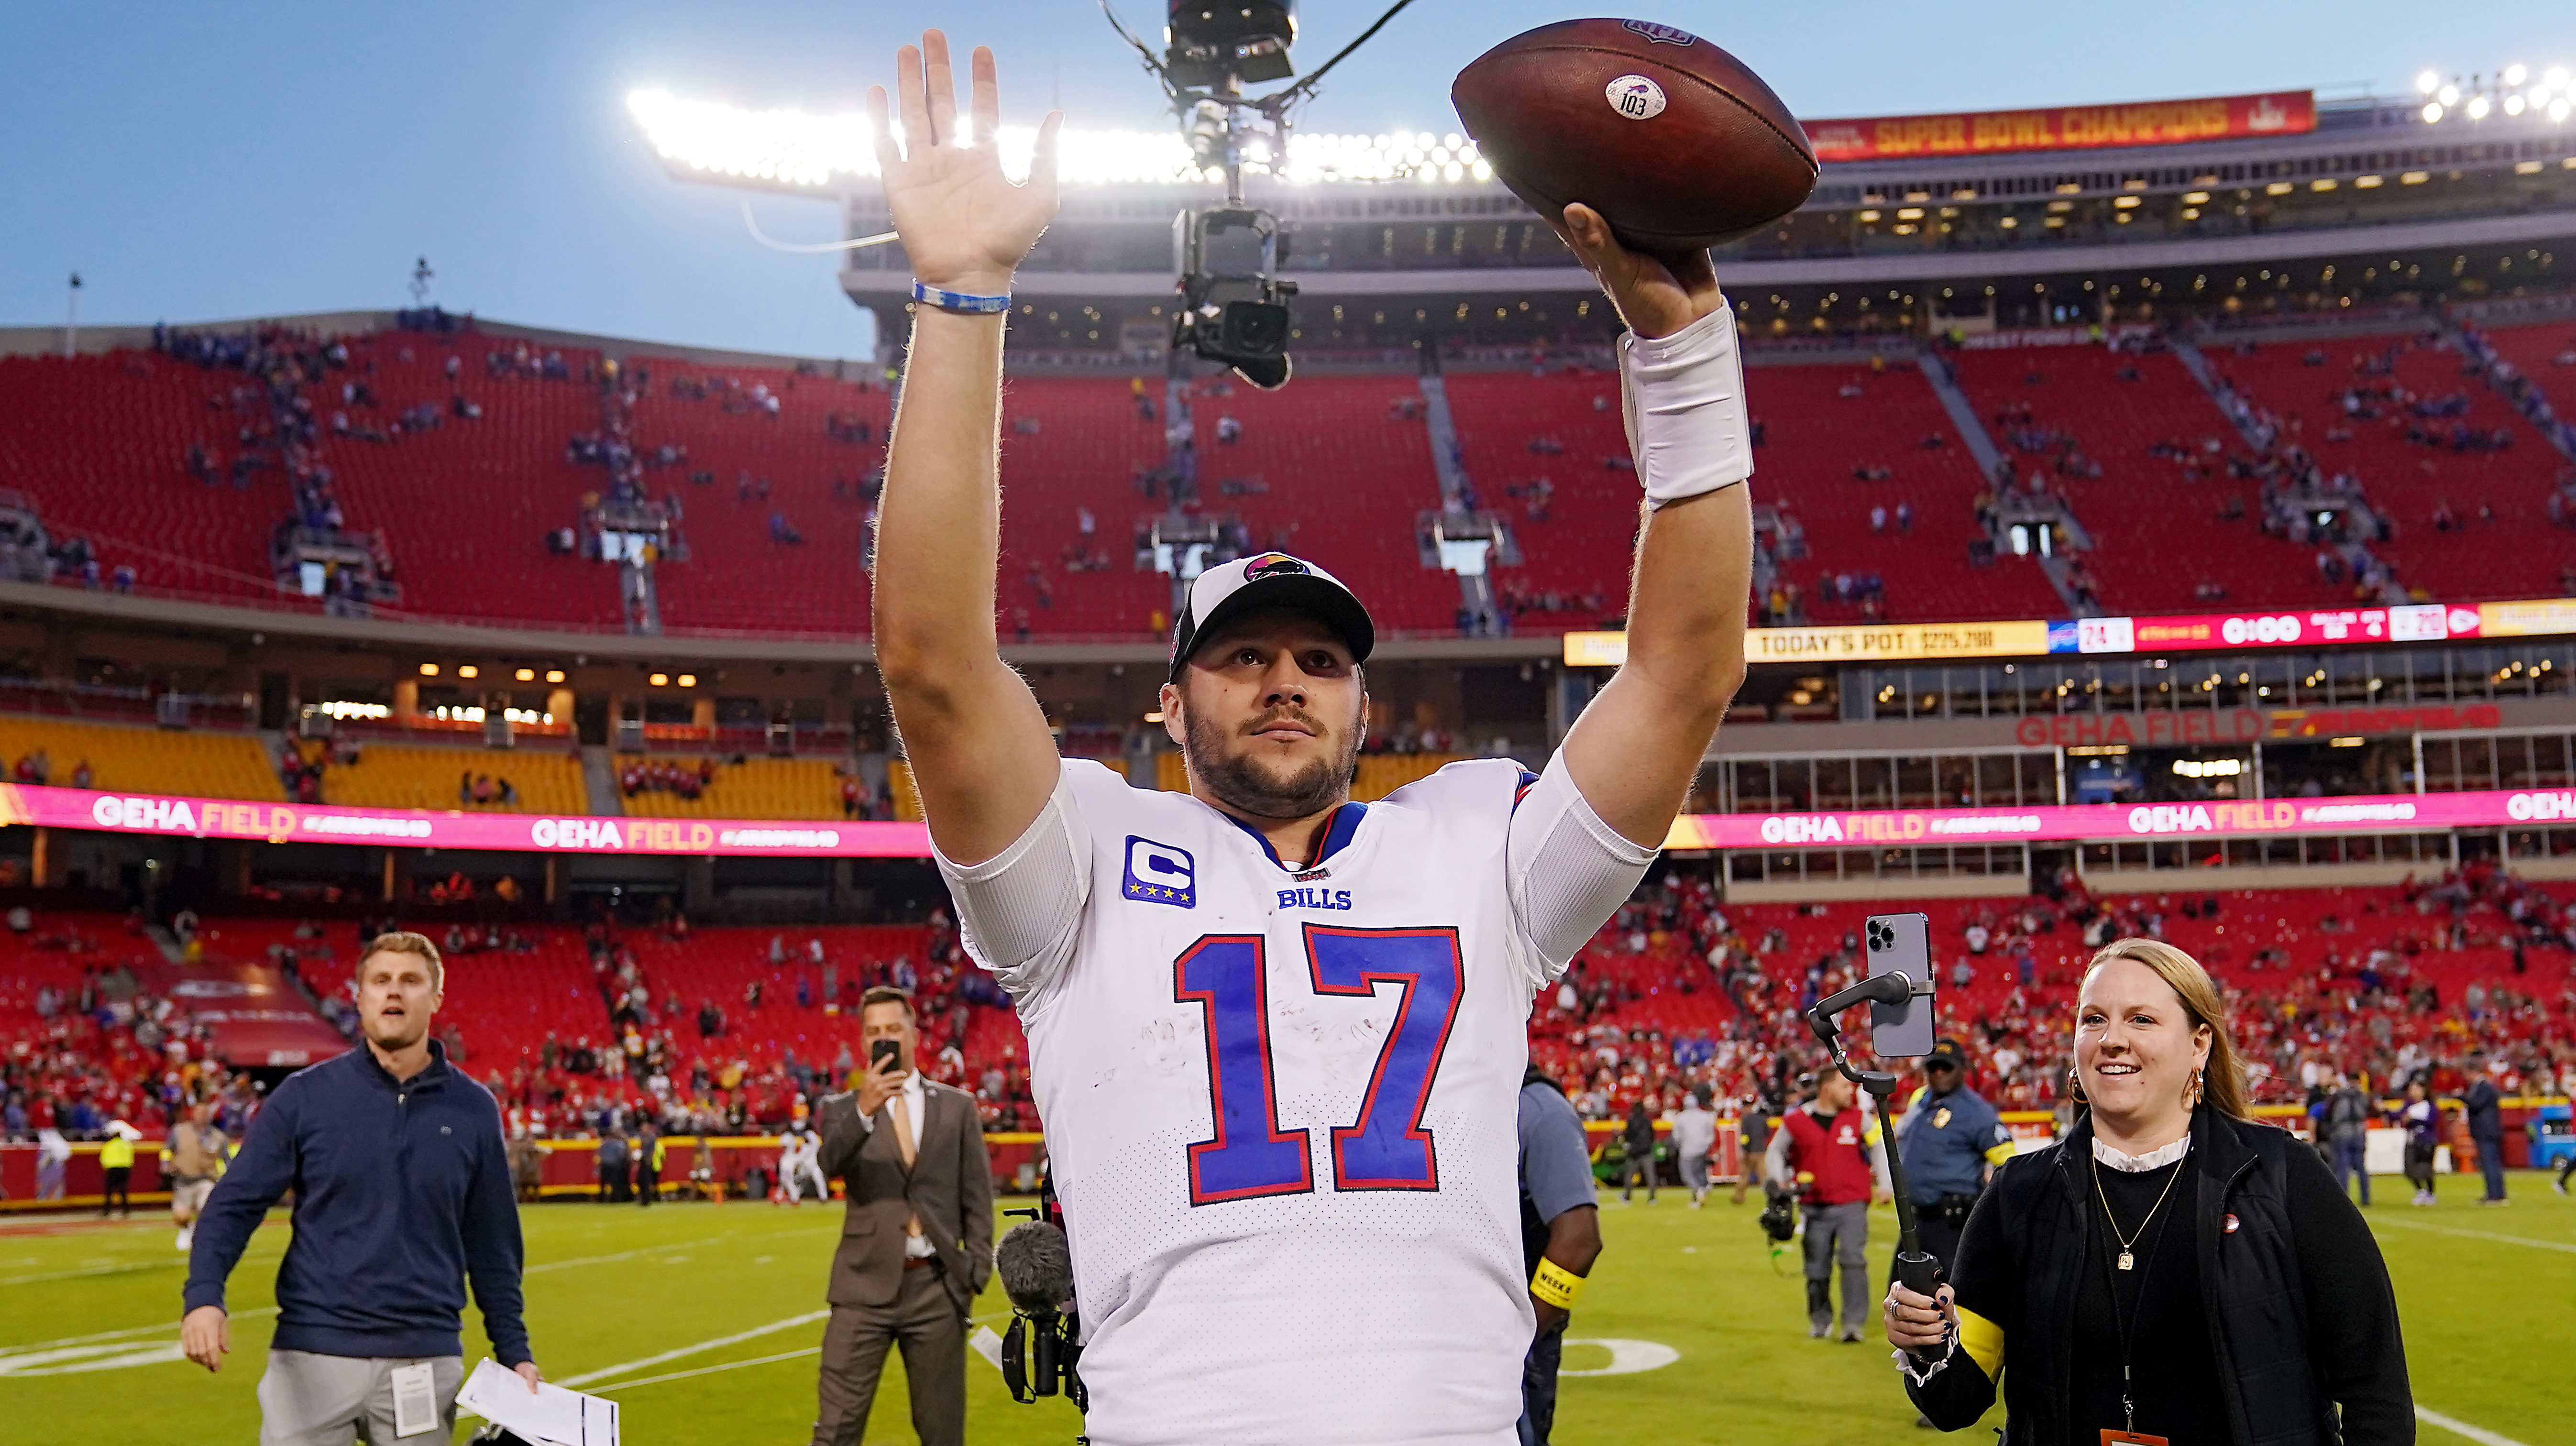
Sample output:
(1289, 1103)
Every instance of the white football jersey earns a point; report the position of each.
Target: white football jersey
(1281, 1104)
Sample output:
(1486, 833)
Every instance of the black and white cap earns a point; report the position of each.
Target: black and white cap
(1268, 580)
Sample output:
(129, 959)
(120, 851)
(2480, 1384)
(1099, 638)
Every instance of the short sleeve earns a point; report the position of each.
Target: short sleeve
(1020, 912)
(1567, 871)
(1556, 1161)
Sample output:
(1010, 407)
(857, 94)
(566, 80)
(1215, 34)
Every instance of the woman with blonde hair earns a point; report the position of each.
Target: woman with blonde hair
(2170, 1271)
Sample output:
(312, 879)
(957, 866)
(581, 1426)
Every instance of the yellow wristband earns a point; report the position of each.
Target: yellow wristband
(1555, 1284)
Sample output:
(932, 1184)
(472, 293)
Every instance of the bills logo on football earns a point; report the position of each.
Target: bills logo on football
(1160, 874)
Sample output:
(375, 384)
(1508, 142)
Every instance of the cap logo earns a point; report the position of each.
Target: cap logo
(1273, 564)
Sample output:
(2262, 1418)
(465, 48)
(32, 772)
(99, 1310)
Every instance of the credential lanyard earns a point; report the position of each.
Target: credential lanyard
(2124, 1323)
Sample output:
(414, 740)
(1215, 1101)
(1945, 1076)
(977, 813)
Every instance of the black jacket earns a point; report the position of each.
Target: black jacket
(2301, 1315)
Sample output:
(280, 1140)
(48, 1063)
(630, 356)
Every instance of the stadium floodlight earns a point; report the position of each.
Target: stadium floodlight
(2515, 73)
(2513, 104)
(2448, 95)
(2477, 107)
(2555, 77)
(2537, 97)
(2432, 111)
(2559, 109)
(820, 152)
(2427, 83)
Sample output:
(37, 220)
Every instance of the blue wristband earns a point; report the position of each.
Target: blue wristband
(961, 301)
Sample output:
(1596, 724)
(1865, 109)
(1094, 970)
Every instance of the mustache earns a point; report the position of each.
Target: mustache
(1288, 712)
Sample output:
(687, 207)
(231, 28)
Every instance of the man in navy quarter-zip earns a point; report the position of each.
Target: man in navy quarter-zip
(402, 1194)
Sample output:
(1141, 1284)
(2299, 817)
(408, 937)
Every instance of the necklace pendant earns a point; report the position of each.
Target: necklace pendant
(2128, 1261)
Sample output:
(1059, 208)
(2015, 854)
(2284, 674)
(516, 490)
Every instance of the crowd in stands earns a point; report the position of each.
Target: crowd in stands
(37, 767)
(83, 1044)
(728, 1031)
(277, 426)
(1679, 992)
(300, 766)
(684, 780)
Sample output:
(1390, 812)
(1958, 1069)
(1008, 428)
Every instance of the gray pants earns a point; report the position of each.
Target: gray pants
(1695, 1174)
(312, 1400)
(1838, 1234)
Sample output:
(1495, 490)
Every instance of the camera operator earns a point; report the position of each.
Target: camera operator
(2170, 1270)
(1951, 1141)
(1829, 1151)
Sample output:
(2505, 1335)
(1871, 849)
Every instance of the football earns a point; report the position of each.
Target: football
(1677, 143)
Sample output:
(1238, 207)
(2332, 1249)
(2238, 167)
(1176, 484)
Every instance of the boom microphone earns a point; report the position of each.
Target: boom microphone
(1036, 1266)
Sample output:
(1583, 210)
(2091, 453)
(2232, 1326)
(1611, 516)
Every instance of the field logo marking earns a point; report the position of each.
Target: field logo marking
(1627, 1358)
(2479, 1434)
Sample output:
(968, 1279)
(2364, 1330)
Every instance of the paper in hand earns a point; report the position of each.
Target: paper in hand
(548, 1416)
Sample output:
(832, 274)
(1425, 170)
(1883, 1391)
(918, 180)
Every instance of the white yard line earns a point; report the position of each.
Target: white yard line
(133, 1268)
(607, 1373)
(2495, 1235)
(2479, 1434)
(708, 1370)
(605, 1259)
(162, 1328)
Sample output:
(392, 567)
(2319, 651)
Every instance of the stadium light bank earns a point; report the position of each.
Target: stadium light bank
(796, 150)
(2513, 90)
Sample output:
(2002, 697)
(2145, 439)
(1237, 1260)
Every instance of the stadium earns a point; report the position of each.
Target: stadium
(2165, 525)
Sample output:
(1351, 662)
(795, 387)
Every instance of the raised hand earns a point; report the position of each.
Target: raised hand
(1655, 295)
(964, 226)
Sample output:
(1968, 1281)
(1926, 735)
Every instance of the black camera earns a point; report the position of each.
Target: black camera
(1212, 44)
(1048, 1369)
(1779, 1218)
(1042, 1350)
(1234, 309)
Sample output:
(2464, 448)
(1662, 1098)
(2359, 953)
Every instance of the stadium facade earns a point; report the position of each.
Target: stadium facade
(2137, 744)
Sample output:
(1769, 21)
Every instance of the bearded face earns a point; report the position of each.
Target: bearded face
(1269, 716)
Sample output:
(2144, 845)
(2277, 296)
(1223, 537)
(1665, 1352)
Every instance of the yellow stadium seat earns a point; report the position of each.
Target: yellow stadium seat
(1383, 773)
(779, 788)
(402, 775)
(907, 795)
(144, 760)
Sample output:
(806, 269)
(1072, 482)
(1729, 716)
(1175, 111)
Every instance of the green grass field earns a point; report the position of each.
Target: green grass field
(704, 1320)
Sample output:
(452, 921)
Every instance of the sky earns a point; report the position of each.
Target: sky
(196, 162)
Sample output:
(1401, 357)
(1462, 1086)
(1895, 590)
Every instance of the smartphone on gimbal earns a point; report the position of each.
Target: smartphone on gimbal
(1901, 944)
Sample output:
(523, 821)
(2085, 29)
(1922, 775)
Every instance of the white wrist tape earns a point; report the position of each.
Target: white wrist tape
(1683, 398)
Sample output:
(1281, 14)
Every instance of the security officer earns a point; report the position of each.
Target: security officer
(116, 1167)
(1951, 1141)
(1560, 1237)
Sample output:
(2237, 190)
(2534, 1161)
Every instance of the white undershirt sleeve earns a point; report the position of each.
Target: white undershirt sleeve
(1567, 871)
(1020, 911)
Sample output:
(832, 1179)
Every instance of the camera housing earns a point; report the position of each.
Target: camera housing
(1208, 44)
(1234, 307)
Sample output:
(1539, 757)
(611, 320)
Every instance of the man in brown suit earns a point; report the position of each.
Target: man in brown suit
(916, 1238)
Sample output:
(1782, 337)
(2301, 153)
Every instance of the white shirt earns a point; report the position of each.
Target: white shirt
(1694, 1133)
(1281, 1103)
(915, 1102)
(915, 1099)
